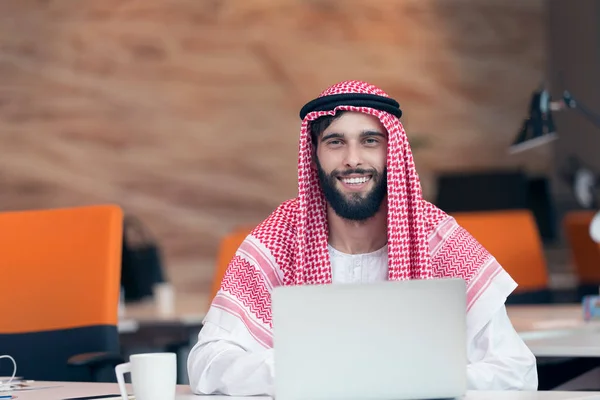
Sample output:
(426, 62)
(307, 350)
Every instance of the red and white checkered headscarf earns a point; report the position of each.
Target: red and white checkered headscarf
(290, 246)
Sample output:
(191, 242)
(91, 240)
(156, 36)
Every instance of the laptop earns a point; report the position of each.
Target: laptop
(395, 340)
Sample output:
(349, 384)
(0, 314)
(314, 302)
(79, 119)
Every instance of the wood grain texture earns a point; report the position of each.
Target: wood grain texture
(185, 112)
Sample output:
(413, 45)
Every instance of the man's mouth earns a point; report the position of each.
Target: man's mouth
(355, 180)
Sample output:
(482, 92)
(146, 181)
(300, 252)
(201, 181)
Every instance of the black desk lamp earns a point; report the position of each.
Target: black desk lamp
(539, 129)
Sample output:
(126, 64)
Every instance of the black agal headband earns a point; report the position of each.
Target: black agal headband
(328, 103)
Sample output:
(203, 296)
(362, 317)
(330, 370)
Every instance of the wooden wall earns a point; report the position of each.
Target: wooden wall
(185, 112)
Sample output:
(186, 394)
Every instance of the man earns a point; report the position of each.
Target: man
(359, 217)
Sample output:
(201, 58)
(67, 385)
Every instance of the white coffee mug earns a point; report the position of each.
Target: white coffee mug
(153, 376)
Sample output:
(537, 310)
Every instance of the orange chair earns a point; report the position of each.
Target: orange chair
(585, 253)
(229, 245)
(60, 291)
(512, 237)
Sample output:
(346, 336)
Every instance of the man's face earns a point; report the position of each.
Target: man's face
(351, 160)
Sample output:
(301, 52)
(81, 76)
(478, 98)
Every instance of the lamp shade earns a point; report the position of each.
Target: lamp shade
(538, 128)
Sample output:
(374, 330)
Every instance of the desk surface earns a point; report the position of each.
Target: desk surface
(565, 343)
(189, 309)
(549, 330)
(192, 308)
(64, 390)
(185, 307)
(556, 330)
(528, 318)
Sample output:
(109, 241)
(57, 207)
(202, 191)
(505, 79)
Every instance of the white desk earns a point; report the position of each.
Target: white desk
(64, 390)
(565, 343)
(549, 330)
(188, 310)
(556, 330)
(534, 318)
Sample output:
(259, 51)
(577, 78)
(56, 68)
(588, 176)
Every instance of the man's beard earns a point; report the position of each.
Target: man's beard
(353, 206)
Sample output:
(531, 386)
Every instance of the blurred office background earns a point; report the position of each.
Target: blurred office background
(185, 113)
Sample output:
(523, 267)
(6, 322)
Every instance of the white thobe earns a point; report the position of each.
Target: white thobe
(228, 360)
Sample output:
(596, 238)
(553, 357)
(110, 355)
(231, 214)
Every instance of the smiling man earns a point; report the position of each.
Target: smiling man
(359, 217)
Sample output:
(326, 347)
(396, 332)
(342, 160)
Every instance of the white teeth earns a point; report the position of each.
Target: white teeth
(356, 181)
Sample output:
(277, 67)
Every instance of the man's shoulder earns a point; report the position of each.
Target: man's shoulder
(278, 232)
(290, 205)
(282, 219)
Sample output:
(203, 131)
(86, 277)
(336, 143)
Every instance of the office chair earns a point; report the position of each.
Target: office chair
(512, 237)
(584, 252)
(60, 277)
(227, 249)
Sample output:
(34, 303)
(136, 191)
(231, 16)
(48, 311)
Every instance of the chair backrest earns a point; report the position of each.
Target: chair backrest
(227, 248)
(60, 286)
(585, 253)
(512, 237)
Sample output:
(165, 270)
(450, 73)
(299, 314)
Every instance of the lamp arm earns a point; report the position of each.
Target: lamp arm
(570, 102)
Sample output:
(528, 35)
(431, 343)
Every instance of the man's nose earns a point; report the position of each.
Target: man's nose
(353, 157)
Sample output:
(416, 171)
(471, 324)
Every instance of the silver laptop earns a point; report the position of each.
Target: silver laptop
(383, 341)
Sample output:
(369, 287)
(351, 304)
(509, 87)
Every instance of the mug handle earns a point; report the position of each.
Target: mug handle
(121, 370)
